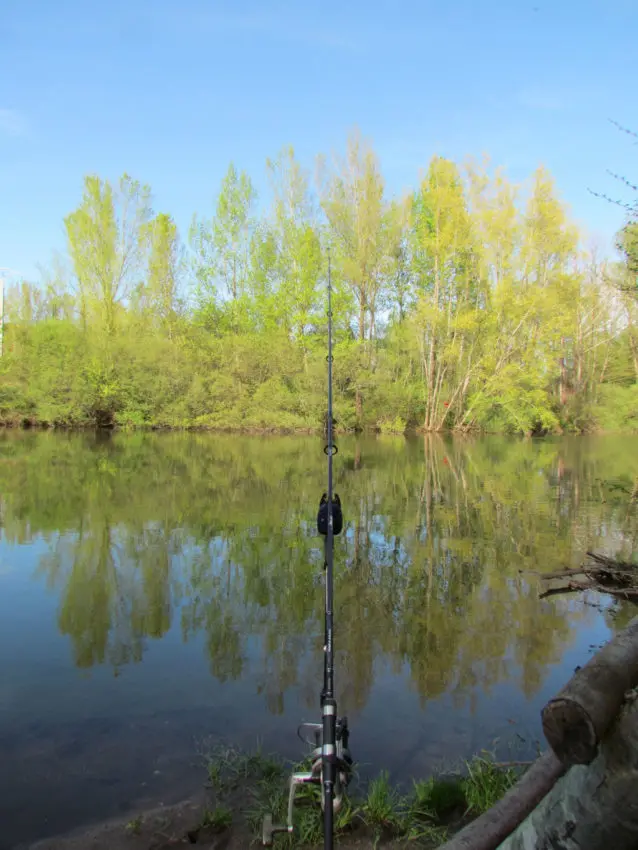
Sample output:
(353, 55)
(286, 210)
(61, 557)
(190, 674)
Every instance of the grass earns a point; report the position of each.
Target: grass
(217, 819)
(437, 798)
(485, 784)
(227, 767)
(134, 826)
(382, 807)
(422, 817)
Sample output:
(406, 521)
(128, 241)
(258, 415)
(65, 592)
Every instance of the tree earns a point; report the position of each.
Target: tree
(299, 261)
(222, 245)
(157, 295)
(106, 242)
(360, 223)
(445, 318)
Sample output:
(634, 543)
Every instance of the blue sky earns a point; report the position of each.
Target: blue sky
(173, 91)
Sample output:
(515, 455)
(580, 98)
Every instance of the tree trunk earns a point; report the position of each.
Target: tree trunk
(576, 719)
(490, 829)
(634, 350)
(358, 401)
(593, 807)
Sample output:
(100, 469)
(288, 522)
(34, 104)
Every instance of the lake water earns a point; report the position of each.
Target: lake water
(158, 591)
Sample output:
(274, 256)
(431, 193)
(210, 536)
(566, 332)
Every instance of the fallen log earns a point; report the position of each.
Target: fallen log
(570, 572)
(591, 807)
(575, 721)
(628, 593)
(493, 827)
(612, 563)
(570, 587)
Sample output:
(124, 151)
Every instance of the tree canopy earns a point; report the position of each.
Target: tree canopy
(469, 303)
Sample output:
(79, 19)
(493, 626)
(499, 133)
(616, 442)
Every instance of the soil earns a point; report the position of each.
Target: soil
(155, 829)
(171, 827)
(180, 825)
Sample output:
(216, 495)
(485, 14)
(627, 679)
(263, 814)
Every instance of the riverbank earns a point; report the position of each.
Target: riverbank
(22, 424)
(240, 788)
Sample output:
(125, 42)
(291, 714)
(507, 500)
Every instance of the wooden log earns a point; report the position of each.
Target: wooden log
(575, 721)
(572, 572)
(628, 593)
(612, 563)
(493, 827)
(592, 807)
(570, 587)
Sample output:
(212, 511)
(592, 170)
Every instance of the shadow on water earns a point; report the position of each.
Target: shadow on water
(157, 589)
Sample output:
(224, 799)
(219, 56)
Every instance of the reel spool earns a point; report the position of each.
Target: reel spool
(315, 776)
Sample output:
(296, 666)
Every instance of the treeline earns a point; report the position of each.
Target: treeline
(467, 304)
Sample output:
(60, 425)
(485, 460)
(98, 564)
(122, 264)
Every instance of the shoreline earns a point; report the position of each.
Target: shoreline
(241, 787)
(277, 431)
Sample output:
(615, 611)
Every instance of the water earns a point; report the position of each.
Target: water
(158, 590)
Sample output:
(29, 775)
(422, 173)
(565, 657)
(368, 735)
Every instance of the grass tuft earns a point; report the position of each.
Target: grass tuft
(437, 798)
(227, 767)
(134, 826)
(383, 809)
(384, 814)
(217, 819)
(485, 784)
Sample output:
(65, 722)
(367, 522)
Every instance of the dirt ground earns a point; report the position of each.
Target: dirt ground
(158, 829)
(170, 827)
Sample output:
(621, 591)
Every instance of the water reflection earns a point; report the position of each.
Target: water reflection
(217, 534)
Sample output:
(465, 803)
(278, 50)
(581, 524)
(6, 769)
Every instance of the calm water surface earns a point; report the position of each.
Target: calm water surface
(160, 591)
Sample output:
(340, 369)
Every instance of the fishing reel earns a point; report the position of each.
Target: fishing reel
(314, 776)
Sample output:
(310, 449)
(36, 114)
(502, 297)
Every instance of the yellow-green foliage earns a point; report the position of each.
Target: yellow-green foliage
(469, 305)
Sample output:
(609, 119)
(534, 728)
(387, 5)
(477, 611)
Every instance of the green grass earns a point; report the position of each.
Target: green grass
(217, 819)
(383, 813)
(437, 798)
(227, 767)
(134, 826)
(485, 784)
(384, 810)
(382, 805)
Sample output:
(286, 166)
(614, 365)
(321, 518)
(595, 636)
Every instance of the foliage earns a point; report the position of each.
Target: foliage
(469, 304)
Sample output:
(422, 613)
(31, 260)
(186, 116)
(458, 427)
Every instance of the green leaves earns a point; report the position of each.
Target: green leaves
(465, 305)
(221, 246)
(106, 244)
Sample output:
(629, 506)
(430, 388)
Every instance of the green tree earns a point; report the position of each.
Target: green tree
(106, 243)
(157, 295)
(361, 231)
(446, 319)
(222, 246)
(299, 261)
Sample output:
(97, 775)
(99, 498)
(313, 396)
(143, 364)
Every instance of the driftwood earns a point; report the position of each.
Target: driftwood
(576, 719)
(571, 572)
(566, 588)
(628, 593)
(604, 575)
(581, 794)
(592, 807)
(493, 827)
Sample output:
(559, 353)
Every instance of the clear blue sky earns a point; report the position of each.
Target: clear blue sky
(172, 90)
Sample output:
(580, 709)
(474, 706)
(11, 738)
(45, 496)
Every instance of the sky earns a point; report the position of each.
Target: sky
(172, 91)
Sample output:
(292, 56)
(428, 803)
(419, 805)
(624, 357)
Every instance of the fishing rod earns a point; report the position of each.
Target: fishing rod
(331, 762)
